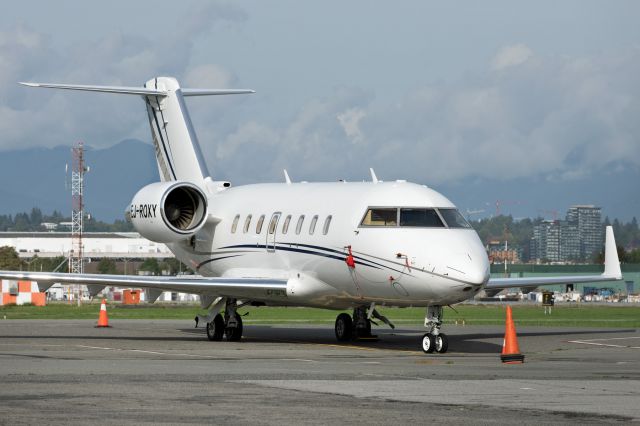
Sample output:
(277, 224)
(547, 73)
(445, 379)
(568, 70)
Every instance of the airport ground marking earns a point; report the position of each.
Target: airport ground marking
(596, 342)
(147, 352)
(347, 346)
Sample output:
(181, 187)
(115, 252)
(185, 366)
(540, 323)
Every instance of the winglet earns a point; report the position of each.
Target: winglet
(611, 261)
(374, 178)
(287, 179)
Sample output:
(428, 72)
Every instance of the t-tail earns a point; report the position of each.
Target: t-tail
(176, 145)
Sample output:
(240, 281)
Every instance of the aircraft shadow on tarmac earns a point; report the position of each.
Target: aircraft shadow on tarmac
(398, 339)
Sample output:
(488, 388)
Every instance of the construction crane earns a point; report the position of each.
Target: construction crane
(501, 203)
(472, 212)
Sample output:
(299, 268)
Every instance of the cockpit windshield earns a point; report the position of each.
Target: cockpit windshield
(453, 218)
(416, 217)
(420, 217)
(381, 217)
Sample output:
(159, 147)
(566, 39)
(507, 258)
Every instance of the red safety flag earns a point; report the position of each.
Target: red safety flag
(351, 263)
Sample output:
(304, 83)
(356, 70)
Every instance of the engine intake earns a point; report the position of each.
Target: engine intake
(167, 212)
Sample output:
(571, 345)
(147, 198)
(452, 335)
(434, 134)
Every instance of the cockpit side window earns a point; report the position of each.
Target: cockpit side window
(381, 216)
(426, 218)
(453, 218)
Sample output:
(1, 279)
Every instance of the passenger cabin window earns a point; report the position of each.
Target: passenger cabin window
(234, 225)
(327, 223)
(247, 222)
(426, 218)
(381, 217)
(285, 226)
(453, 218)
(273, 224)
(299, 225)
(312, 226)
(259, 224)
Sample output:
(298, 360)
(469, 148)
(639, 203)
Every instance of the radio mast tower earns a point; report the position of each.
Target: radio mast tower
(76, 257)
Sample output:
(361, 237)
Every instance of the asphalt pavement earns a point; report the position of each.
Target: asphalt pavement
(155, 372)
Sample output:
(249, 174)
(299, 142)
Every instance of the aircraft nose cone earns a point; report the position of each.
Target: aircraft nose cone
(469, 263)
(479, 268)
(478, 273)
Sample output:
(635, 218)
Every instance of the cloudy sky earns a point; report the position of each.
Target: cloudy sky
(427, 91)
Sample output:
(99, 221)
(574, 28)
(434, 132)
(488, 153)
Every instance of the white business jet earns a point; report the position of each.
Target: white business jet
(347, 246)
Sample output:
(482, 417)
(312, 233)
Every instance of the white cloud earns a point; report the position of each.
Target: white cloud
(561, 116)
(349, 120)
(511, 56)
(208, 76)
(539, 114)
(32, 117)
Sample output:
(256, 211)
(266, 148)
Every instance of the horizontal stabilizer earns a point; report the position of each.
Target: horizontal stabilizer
(143, 91)
(209, 92)
(106, 89)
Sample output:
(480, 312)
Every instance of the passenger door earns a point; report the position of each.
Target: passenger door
(272, 230)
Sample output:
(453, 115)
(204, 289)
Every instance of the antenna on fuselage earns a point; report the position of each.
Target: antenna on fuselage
(287, 179)
(374, 178)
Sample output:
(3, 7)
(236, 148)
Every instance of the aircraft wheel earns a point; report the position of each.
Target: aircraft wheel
(441, 343)
(235, 334)
(215, 328)
(428, 343)
(344, 327)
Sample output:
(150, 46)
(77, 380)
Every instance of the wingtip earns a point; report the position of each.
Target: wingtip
(28, 84)
(611, 260)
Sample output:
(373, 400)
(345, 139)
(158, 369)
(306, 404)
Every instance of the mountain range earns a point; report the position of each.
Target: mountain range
(36, 177)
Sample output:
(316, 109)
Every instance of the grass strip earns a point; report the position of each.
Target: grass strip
(580, 315)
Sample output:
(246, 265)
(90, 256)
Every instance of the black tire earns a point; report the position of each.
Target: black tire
(235, 334)
(215, 328)
(428, 343)
(344, 327)
(441, 343)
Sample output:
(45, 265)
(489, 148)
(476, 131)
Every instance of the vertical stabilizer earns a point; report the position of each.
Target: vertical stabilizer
(177, 148)
(176, 144)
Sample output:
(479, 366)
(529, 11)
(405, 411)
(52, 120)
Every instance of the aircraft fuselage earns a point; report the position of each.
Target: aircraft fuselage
(393, 265)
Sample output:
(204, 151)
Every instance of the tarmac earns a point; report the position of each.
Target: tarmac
(167, 372)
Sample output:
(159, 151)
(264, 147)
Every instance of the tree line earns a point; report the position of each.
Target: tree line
(32, 222)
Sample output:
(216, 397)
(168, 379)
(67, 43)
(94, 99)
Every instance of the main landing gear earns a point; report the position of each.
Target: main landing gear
(358, 326)
(229, 325)
(434, 340)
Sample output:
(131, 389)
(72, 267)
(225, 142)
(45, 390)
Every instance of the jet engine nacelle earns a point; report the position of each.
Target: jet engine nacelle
(168, 212)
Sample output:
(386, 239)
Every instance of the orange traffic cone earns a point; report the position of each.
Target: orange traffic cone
(510, 350)
(103, 319)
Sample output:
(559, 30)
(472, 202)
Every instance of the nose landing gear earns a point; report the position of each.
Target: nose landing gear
(434, 340)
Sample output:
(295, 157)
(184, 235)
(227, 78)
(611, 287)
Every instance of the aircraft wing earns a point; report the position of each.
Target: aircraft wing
(612, 272)
(248, 288)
